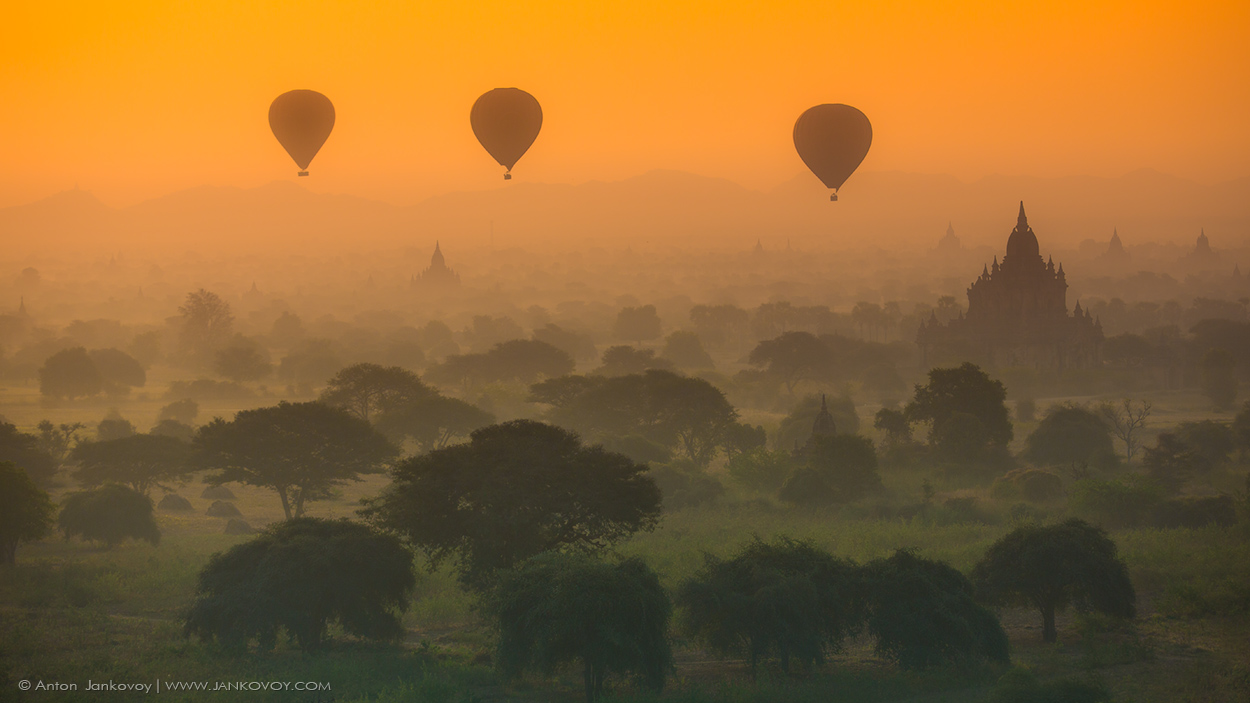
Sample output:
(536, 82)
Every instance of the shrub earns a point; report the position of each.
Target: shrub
(683, 484)
(557, 608)
(1196, 512)
(761, 469)
(1034, 485)
(839, 469)
(922, 613)
(109, 514)
(299, 576)
(1128, 502)
(786, 598)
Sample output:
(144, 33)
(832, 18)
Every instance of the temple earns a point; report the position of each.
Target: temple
(1017, 315)
(437, 275)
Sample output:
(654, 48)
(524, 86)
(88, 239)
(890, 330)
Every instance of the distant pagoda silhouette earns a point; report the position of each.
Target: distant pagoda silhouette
(1116, 253)
(437, 275)
(1017, 315)
(950, 244)
(822, 426)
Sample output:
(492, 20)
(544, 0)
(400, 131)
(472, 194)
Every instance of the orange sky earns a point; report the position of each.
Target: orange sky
(135, 99)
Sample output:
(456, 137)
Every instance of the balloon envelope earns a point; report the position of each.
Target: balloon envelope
(506, 121)
(301, 120)
(832, 140)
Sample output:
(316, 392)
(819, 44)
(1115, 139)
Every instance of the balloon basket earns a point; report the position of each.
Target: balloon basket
(833, 197)
(302, 173)
(507, 176)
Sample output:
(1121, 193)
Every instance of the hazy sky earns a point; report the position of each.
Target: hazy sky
(135, 99)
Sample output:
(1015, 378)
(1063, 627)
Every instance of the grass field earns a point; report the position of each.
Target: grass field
(71, 612)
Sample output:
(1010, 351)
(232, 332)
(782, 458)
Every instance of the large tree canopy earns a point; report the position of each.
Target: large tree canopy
(300, 450)
(432, 422)
(366, 389)
(1069, 435)
(515, 490)
(23, 450)
(1051, 567)
(140, 461)
(25, 511)
(952, 396)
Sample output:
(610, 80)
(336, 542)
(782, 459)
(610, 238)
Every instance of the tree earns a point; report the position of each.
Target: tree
(172, 428)
(118, 370)
(140, 461)
(613, 617)
(922, 613)
(1214, 441)
(576, 345)
(242, 363)
(1219, 378)
(1051, 567)
(70, 373)
(365, 389)
(27, 452)
(560, 391)
(25, 511)
(839, 469)
(113, 426)
(433, 422)
(761, 469)
(685, 351)
(792, 358)
(622, 360)
(1241, 428)
(300, 450)
(637, 324)
(300, 576)
(513, 491)
(110, 514)
(684, 484)
(796, 427)
(952, 396)
(1126, 421)
(894, 424)
(717, 325)
(184, 411)
(786, 598)
(520, 360)
(206, 322)
(1172, 462)
(1071, 435)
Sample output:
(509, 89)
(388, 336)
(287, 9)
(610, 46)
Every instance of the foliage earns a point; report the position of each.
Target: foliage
(761, 469)
(184, 411)
(242, 363)
(922, 613)
(513, 491)
(685, 351)
(1127, 502)
(118, 370)
(894, 424)
(139, 461)
(109, 514)
(1212, 440)
(1219, 378)
(741, 437)
(1241, 428)
(1070, 435)
(1194, 512)
(113, 426)
(1034, 485)
(25, 451)
(70, 373)
(25, 511)
(517, 360)
(796, 426)
(562, 390)
(637, 324)
(174, 429)
(1051, 567)
(792, 358)
(787, 598)
(366, 389)
(1026, 410)
(300, 576)
(951, 400)
(1126, 421)
(556, 608)
(432, 422)
(684, 484)
(577, 346)
(838, 469)
(623, 360)
(300, 450)
(206, 322)
(688, 415)
(1172, 462)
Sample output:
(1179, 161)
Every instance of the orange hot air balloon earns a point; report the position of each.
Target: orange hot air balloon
(832, 140)
(506, 121)
(302, 121)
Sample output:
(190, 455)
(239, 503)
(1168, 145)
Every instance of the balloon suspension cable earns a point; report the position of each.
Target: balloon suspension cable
(302, 173)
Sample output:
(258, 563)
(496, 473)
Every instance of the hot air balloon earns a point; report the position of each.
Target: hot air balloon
(832, 140)
(301, 120)
(506, 121)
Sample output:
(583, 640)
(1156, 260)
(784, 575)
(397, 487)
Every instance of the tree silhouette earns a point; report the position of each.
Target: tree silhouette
(433, 422)
(70, 373)
(109, 514)
(637, 324)
(557, 608)
(299, 450)
(242, 363)
(365, 389)
(1052, 567)
(967, 409)
(513, 491)
(786, 598)
(1219, 378)
(792, 358)
(25, 511)
(27, 452)
(1126, 421)
(302, 575)
(140, 461)
(685, 350)
(1069, 435)
(206, 322)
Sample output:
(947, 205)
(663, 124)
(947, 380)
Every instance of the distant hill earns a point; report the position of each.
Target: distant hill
(876, 209)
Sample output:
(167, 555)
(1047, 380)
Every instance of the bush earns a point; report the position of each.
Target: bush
(557, 608)
(299, 576)
(1196, 512)
(786, 598)
(839, 469)
(109, 514)
(1034, 485)
(922, 613)
(684, 485)
(761, 469)
(1128, 502)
